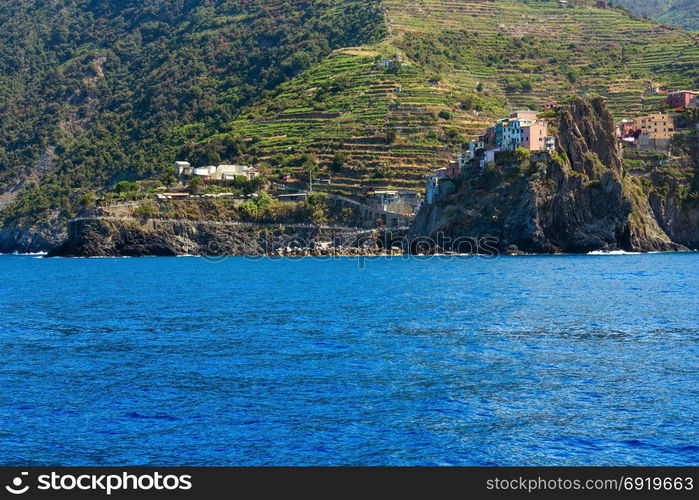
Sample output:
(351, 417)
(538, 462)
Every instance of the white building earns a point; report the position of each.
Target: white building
(183, 168)
(225, 172)
(550, 144)
(489, 157)
(204, 172)
(230, 172)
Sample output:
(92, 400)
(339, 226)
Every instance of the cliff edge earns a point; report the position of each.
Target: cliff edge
(576, 200)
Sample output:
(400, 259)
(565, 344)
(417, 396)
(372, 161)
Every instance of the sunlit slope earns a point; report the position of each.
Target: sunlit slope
(461, 64)
(514, 45)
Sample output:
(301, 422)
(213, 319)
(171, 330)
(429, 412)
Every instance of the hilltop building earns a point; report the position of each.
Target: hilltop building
(522, 129)
(453, 170)
(434, 182)
(402, 201)
(183, 168)
(230, 172)
(656, 131)
(216, 173)
(681, 98)
(205, 173)
(652, 131)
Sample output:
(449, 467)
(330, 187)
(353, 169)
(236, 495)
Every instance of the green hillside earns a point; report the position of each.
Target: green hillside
(453, 66)
(683, 13)
(381, 91)
(95, 92)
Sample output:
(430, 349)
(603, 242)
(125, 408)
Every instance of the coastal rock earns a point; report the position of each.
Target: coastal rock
(577, 201)
(112, 237)
(32, 239)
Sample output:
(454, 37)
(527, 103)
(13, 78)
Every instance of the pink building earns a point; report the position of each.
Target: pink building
(626, 128)
(680, 99)
(534, 136)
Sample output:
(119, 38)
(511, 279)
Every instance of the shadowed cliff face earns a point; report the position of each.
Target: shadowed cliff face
(586, 130)
(114, 237)
(578, 201)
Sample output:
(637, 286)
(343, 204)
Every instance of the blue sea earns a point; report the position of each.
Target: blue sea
(571, 360)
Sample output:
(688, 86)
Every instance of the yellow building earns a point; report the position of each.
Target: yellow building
(656, 130)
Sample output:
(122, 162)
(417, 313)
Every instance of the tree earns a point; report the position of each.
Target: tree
(692, 116)
(169, 176)
(125, 187)
(338, 162)
(521, 155)
(317, 204)
(146, 210)
(195, 184)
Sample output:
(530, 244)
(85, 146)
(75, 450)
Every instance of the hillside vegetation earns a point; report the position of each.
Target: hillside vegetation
(94, 92)
(381, 92)
(683, 13)
(385, 115)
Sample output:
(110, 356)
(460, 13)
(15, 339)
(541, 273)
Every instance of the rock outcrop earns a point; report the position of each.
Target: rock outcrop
(33, 238)
(117, 237)
(577, 200)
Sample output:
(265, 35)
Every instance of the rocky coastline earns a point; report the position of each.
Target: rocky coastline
(118, 237)
(579, 200)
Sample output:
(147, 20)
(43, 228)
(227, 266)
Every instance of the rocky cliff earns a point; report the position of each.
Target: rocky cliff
(116, 237)
(38, 237)
(576, 200)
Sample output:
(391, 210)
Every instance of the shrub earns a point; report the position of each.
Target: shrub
(125, 187)
(145, 210)
(88, 199)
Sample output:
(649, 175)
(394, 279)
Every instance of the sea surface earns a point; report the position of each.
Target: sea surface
(572, 360)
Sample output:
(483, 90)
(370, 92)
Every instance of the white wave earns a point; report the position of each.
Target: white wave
(614, 252)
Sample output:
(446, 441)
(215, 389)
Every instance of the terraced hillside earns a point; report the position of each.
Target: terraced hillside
(534, 49)
(349, 106)
(395, 110)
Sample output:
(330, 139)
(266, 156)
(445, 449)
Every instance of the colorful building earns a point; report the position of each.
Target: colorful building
(521, 129)
(626, 128)
(681, 98)
(656, 130)
(534, 137)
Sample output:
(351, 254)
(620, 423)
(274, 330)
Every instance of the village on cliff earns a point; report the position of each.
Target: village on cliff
(523, 130)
